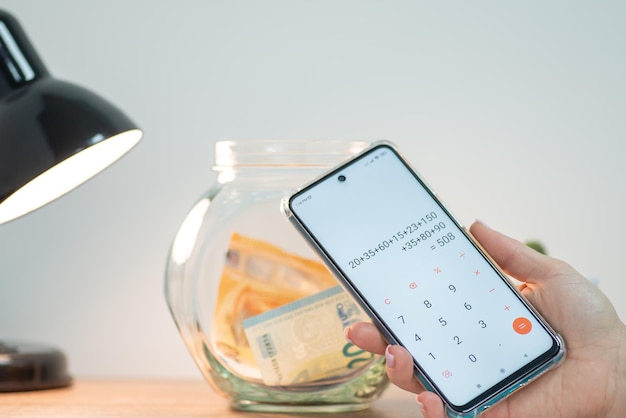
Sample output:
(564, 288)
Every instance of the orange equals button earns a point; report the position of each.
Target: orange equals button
(522, 325)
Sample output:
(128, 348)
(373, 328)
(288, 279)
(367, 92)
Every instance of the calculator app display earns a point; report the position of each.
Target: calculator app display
(421, 275)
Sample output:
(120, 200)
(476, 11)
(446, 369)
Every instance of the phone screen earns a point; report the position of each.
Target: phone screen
(422, 278)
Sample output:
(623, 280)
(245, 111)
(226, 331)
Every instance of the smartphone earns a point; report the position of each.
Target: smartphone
(423, 280)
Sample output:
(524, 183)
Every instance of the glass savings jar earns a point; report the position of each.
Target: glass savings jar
(261, 316)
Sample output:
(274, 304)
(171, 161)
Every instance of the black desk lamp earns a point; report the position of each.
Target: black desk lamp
(53, 136)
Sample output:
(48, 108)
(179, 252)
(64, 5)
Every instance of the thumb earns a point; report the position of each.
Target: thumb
(515, 258)
(431, 405)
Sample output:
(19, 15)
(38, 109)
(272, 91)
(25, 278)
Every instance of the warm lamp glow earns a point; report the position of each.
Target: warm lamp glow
(67, 175)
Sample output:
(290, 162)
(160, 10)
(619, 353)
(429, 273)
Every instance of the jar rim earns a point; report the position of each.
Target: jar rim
(284, 152)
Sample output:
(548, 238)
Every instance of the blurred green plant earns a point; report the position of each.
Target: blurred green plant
(537, 246)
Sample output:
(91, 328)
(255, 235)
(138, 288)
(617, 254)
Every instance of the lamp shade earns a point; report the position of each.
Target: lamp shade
(54, 135)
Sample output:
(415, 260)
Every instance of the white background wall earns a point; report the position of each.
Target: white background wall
(516, 113)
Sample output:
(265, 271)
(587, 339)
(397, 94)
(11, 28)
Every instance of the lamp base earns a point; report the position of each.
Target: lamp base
(31, 367)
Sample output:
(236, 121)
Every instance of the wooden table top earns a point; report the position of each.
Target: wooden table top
(164, 398)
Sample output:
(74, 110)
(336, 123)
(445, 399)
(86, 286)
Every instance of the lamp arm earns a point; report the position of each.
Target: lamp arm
(19, 62)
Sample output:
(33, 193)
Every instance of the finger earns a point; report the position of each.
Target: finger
(400, 369)
(366, 336)
(515, 258)
(399, 362)
(432, 406)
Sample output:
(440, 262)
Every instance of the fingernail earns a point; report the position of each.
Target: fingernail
(483, 224)
(390, 358)
(419, 404)
(346, 334)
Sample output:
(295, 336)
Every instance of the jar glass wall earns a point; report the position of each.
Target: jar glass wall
(236, 257)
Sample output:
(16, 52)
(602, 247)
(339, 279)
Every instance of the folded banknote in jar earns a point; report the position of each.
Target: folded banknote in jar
(303, 341)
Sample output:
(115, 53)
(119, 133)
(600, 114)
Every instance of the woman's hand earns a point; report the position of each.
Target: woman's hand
(591, 381)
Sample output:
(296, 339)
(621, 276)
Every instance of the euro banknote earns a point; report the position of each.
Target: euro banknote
(303, 342)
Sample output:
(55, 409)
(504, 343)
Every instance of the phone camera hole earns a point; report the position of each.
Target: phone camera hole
(341, 178)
